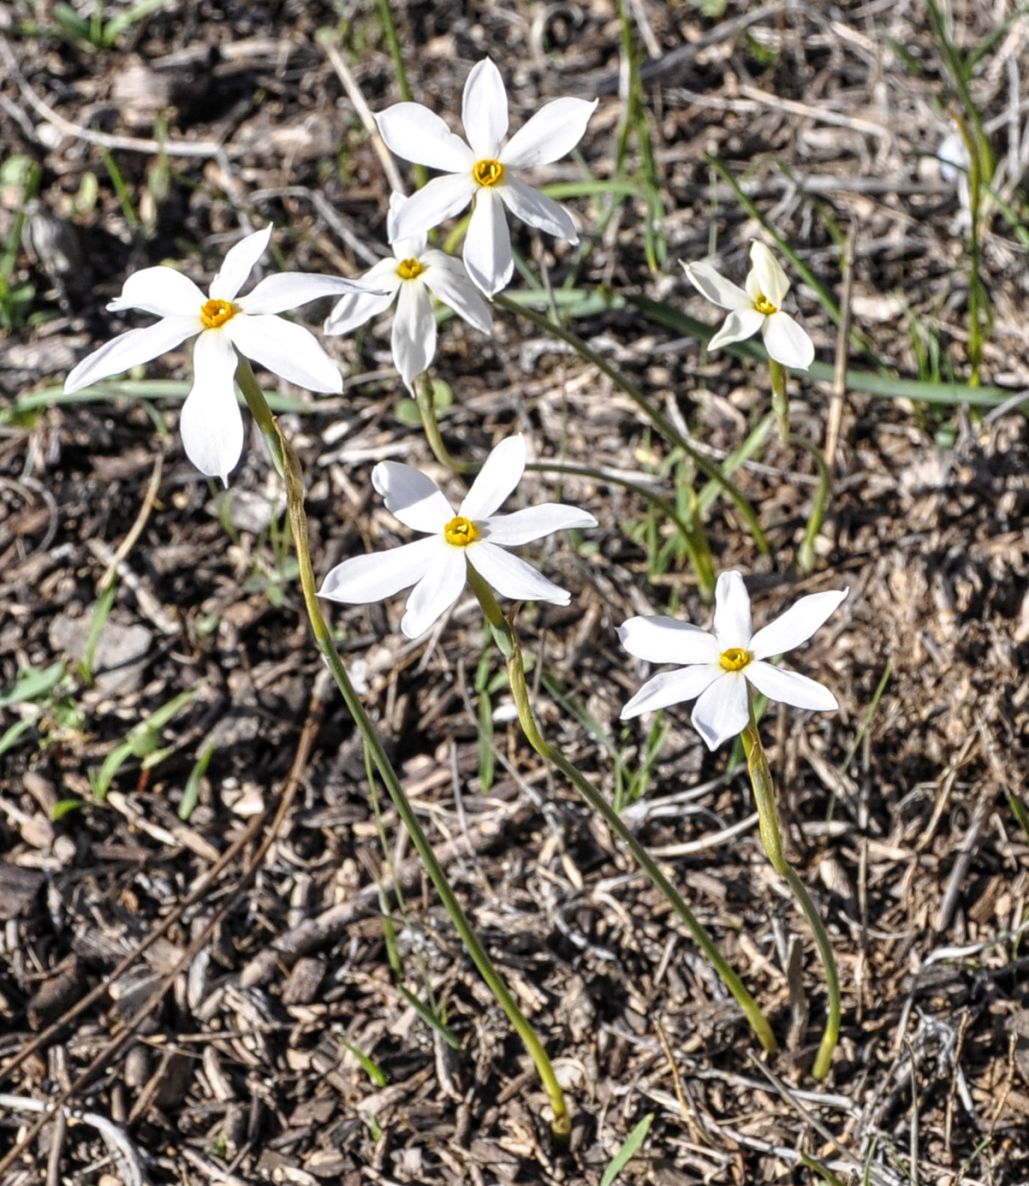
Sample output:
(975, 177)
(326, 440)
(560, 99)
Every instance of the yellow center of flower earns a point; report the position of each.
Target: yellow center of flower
(764, 305)
(460, 532)
(734, 659)
(410, 269)
(488, 172)
(214, 314)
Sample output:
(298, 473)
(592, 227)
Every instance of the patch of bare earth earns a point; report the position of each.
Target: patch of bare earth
(196, 990)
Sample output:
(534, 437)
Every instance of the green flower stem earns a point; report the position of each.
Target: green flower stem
(771, 840)
(430, 425)
(691, 529)
(653, 414)
(561, 1121)
(780, 401)
(507, 642)
(389, 31)
(806, 558)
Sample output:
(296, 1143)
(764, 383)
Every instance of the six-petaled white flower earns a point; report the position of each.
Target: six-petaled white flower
(485, 170)
(408, 279)
(473, 535)
(211, 423)
(716, 668)
(757, 307)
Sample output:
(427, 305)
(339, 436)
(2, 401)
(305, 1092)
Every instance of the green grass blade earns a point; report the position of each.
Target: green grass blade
(369, 1065)
(32, 684)
(628, 1150)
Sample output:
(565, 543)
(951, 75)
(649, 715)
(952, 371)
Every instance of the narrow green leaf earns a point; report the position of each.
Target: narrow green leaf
(32, 684)
(628, 1150)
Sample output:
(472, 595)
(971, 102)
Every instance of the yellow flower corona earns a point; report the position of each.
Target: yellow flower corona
(488, 173)
(765, 306)
(460, 532)
(410, 269)
(214, 313)
(734, 659)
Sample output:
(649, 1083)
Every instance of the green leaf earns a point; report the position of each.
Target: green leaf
(33, 683)
(10, 737)
(65, 807)
(628, 1151)
(371, 1067)
(191, 792)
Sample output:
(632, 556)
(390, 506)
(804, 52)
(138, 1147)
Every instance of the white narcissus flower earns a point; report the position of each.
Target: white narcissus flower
(473, 535)
(485, 170)
(408, 279)
(758, 307)
(716, 668)
(211, 423)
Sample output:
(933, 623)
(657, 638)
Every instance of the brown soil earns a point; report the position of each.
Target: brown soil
(224, 1051)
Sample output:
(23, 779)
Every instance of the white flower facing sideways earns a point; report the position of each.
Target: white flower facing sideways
(715, 668)
(485, 170)
(757, 306)
(408, 279)
(472, 536)
(211, 423)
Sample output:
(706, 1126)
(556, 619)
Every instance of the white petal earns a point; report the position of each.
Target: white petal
(789, 687)
(484, 110)
(285, 349)
(437, 591)
(412, 497)
(290, 290)
(723, 710)
(534, 523)
(239, 263)
(500, 474)
(551, 133)
(353, 311)
(487, 245)
(787, 342)
(414, 331)
(538, 210)
(364, 579)
(163, 291)
(732, 612)
(666, 640)
(715, 287)
(770, 276)
(411, 248)
(417, 134)
(796, 625)
(438, 199)
(740, 324)
(211, 424)
(130, 349)
(512, 577)
(671, 687)
(448, 280)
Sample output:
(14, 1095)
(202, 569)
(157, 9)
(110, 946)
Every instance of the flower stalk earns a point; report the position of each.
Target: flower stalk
(771, 840)
(283, 451)
(507, 643)
(426, 401)
(656, 417)
(780, 401)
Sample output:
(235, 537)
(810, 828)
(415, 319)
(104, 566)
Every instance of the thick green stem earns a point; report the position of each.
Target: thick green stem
(771, 840)
(507, 641)
(426, 401)
(780, 400)
(560, 1122)
(656, 417)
